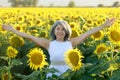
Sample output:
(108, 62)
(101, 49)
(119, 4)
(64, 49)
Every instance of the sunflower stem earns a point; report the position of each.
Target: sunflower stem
(42, 76)
(112, 51)
(112, 56)
(9, 65)
(106, 55)
(116, 55)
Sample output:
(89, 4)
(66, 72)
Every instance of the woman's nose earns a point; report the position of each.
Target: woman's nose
(59, 30)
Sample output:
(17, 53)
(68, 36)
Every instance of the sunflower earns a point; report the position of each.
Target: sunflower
(114, 34)
(97, 22)
(38, 22)
(73, 25)
(20, 18)
(73, 58)
(33, 31)
(58, 18)
(37, 59)
(11, 52)
(44, 34)
(75, 33)
(18, 27)
(51, 22)
(24, 27)
(113, 67)
(103, 19)
(1, 29)
(30, 24)
(100, 48)
(29, 17)
(5, 17)
(98, 35)
(16, 41)
(89, 22)
(5, 76)
(85, 28)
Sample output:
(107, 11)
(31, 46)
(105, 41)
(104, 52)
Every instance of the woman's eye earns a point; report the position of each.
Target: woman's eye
(58, 28)
(62, 29)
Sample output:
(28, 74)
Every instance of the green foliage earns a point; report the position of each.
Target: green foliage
(24, 3)
(102, 66)
(94, 68)
(71, 4)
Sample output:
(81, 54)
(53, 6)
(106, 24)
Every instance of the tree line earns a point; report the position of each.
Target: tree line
(34, 3)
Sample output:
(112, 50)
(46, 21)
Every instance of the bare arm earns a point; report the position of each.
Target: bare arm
(77, 40)
(39, 41)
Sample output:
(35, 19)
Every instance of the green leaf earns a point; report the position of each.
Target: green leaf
(16, 62)
(98, 68)
(3, 68)
(118, 60)
(86, 77)
(52, 70)
(4, 58)
(116, 75)
(81, 70)
(33, 76)
(18, 75)
(91, 59)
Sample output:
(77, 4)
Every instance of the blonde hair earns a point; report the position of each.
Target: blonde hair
(66, 27)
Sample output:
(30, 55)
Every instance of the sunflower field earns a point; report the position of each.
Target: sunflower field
(97, 58)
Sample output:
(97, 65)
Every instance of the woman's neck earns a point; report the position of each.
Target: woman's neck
(60, 40)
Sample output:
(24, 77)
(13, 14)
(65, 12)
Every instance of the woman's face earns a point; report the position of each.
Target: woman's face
(59, 33)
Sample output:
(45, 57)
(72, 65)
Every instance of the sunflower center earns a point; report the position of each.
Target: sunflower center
(18, 28)
(43, 34)
(16, 41)
(72, 26)
(38, 22)
(115, 35)
(36, 58)
(11, 54)
(74, 33)
(98, 22)
(101, 49)
(5, 77)
(20, 19)
(11, 51)
(89, 22)
(74, 58)
(97, 34)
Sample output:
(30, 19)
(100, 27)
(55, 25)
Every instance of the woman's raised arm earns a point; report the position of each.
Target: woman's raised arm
(39, 41)
(77, 40)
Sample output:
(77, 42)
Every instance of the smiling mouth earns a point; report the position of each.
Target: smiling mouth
(60, 34)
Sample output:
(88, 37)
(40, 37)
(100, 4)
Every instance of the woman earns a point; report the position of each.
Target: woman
(61, 41)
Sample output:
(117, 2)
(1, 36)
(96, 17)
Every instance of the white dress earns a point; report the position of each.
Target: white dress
(56, 51)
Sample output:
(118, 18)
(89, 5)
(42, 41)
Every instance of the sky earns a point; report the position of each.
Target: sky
(5, 3)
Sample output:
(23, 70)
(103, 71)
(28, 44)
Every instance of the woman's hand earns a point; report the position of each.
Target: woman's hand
(7, 27)
(109, 22)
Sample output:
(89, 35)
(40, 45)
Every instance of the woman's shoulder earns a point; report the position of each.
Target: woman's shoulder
(52, 41)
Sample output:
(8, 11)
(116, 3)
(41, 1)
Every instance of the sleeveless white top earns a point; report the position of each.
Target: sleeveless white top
(56, 51)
